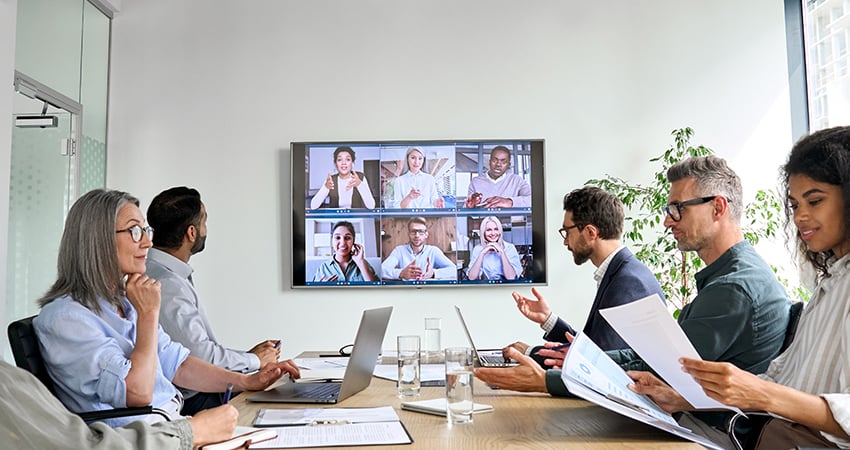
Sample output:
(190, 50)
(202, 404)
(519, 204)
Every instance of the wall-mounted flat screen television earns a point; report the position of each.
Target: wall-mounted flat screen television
(423, 213)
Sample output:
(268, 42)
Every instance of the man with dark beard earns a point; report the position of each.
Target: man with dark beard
(180, 220)
(592, 227)
(740, 312)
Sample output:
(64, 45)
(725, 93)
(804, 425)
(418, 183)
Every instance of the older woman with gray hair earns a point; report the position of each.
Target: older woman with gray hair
(99, 324)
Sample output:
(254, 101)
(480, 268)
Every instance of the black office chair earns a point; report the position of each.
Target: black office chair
(27, 353)
(755, 420)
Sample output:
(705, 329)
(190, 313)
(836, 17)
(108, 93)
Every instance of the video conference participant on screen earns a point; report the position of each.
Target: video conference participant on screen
(416, 260)
(415, 188)
(347, 189)
(499, 188)
(348, 262)
(493, 258)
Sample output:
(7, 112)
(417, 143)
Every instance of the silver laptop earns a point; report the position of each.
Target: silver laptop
(358, 373)
(485, 358)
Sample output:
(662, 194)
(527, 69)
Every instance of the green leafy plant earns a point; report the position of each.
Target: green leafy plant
(655, 247)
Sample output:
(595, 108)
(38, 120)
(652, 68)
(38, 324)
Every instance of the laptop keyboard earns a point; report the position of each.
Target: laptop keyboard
(493, 360)
(319, 390)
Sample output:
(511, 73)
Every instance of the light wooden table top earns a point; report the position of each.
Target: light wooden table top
(520, 420)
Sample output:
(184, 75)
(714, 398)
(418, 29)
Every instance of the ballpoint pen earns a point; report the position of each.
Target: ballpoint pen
(227, 393)
(277, 344)
(557, 347)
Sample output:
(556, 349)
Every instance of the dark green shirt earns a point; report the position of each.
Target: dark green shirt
(739, 316)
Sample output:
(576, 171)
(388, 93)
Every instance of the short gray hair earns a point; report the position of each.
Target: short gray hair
(713, 177)
(87, 267)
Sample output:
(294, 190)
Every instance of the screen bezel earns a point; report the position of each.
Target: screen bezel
(537, 212)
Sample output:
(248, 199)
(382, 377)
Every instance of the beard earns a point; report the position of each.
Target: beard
(694, 244)
(199, 245)
(581, 256)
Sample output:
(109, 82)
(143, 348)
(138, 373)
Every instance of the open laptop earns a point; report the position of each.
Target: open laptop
(485, 358)
(358, 373)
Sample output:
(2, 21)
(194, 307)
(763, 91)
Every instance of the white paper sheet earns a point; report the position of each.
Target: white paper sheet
(651, 331)
(376, 433)
(590, 374)
(321, 363)
(305, 416)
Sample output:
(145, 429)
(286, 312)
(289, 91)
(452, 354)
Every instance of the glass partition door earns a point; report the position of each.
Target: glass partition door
(41, 188)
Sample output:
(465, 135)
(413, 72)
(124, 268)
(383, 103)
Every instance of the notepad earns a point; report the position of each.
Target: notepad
(437, 407)
(329, 427)
(242, 438)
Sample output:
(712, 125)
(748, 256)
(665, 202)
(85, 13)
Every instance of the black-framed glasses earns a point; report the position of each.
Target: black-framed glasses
(674, 210)
(136, 232)
(565, 231)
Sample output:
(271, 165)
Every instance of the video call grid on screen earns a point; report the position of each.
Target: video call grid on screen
(390, 192)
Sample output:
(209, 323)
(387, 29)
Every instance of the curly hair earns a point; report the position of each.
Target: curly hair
(823, 156)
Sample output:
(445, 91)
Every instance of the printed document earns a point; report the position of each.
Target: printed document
(651, 331)
(590, 374)
(331, 427)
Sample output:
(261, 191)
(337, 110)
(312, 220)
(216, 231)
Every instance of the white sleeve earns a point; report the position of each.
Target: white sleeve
(320, 197)
(366, 194)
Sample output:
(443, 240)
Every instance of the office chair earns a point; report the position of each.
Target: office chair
(27, 353)
(757, 419)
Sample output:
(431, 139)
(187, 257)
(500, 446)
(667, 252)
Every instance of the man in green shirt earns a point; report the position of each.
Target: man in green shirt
(740, 312)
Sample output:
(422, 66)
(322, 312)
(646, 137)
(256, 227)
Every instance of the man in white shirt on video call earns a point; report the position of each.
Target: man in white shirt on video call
(416, 260)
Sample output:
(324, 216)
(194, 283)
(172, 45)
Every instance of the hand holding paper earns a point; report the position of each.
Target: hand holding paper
(646, 323)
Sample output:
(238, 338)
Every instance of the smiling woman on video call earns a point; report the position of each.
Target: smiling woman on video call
(416, 188)
(348, 262)
(493, 258)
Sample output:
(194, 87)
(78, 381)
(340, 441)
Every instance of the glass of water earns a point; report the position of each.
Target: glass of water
(408, 366)
(459, 379)
(432, 345)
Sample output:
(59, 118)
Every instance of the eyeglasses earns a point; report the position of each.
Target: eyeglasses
(417, 231)
(674, 210)
(136, 232)
(565, 231)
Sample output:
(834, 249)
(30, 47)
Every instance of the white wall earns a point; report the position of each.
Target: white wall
(209, 93)
(8, 15)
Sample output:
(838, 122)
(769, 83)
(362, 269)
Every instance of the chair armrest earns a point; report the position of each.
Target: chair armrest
(758, 417)
(94, 416)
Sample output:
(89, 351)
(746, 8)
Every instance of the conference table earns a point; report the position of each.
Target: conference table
(519, 420)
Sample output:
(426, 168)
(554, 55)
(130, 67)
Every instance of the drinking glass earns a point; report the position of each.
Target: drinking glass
(408, 366)
(459, 379)
(432, 340)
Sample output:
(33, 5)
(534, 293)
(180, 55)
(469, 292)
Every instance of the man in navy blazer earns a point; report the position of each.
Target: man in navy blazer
(592, 228)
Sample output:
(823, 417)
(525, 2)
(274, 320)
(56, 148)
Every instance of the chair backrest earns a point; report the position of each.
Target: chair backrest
(26, 351)
(793, 320)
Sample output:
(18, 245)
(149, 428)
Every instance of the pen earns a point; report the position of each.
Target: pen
(277, 344)
(227, 393)
(557, 347)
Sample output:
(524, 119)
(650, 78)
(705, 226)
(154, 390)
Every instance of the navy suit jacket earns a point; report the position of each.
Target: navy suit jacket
(625, 281)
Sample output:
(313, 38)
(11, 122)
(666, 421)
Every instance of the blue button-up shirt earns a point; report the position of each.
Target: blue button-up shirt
(87, 356)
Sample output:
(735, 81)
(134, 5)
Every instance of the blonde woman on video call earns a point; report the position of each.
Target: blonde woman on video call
(493, 258)
(416, 188)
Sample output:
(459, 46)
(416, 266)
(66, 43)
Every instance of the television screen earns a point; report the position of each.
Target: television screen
(421, 213)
